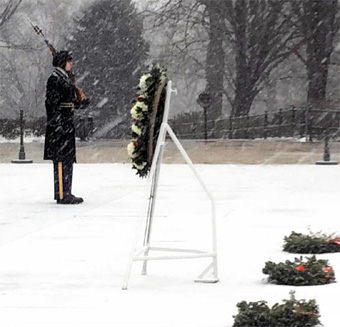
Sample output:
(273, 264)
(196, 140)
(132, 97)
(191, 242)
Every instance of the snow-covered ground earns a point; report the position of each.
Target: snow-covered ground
(65, 265)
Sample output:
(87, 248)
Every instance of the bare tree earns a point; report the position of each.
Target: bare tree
(191, 37)
(7, 10)
(26, 61)
(262, 38)
(215, 60)
(245, 41)
(318, 22)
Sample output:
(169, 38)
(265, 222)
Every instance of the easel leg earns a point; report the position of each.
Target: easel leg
(133, 249)
(158, 154)
(213, 207)
(151, 209)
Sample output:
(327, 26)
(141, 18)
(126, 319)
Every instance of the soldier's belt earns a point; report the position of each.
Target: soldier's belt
(67, 105)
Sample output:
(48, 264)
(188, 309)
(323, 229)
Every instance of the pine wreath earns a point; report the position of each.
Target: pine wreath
(300, 272)
(297, 313)
(147, 114)
(312, 243)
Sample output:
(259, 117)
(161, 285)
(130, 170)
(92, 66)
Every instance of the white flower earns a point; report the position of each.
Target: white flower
(142, 82)
(135, 113)
(136, 129)
(142, 105)
(139, 167)
(131, 149)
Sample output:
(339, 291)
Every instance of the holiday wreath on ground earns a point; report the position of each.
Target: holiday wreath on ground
(297, 313)
(312, 243)
(147, 114)
(300, 272)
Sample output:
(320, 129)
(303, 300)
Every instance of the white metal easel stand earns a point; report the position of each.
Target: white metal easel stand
(210, 274)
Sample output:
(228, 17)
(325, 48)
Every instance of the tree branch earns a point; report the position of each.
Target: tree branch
(9, 11)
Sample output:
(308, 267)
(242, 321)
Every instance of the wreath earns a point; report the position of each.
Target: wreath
(297, 313)
(312, 243)
(299, 272)
(147, 114)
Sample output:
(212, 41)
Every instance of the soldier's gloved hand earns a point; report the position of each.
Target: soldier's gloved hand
(85, 103)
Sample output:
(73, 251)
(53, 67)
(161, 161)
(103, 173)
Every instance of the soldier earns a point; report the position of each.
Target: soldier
(61, 100)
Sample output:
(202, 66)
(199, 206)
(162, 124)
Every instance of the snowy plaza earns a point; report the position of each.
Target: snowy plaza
(65, 265)
(244, 157)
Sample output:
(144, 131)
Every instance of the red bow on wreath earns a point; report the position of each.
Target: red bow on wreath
(327, 270)
(335, 240)
(300, 268)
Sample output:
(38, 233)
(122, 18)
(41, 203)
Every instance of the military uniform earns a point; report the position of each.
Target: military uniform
(60, 147)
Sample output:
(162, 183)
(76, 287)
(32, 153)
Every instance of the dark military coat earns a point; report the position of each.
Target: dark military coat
(60, 130)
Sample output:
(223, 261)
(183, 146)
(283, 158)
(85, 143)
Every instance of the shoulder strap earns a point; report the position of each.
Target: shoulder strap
(60, 75)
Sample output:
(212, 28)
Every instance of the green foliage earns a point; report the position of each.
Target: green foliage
(291, 313)
(36, 127)
(299, 272)
(109, 50)
(312, 243)
(10, 128)
(253, 314)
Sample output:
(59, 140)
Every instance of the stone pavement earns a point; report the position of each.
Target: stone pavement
(200, 152)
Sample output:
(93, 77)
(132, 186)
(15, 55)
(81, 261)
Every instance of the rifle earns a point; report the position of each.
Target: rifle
(82, 99)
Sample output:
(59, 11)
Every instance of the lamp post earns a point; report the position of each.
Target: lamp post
(22, 155)
(326, 155)
(205, 101)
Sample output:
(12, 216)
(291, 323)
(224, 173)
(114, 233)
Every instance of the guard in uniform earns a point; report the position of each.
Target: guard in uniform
(60, 145)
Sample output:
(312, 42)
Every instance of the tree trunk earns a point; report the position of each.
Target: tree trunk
(243, 86)
(321, 31)
(317, 76)
(215, 60)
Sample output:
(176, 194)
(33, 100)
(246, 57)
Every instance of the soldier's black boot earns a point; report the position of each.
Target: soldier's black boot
(77, 199)
(70, 199)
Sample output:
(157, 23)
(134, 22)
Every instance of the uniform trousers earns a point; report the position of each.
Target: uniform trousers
(63, 171)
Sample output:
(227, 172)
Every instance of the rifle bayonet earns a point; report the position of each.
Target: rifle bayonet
(39, 31)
